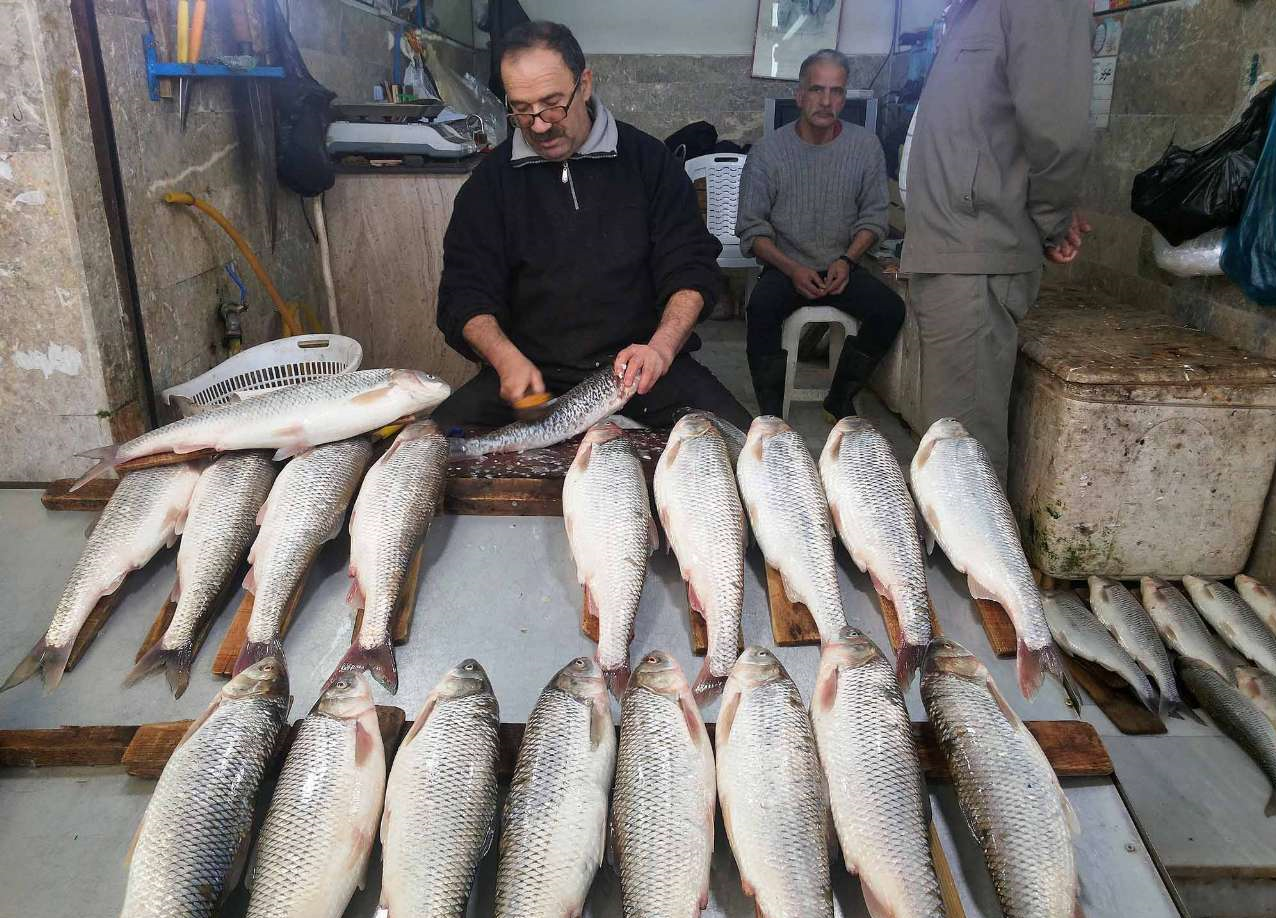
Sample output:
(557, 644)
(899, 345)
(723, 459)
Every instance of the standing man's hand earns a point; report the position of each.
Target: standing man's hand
(807, 282)
(836, 277)
(519, 376)
(1070, 245)
(641, 363)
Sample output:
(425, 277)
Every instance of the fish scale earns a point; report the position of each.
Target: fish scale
(877, 790)
(441, 805)
(1078, 632)
(1234, 619)
(1180, 625)
(790, 517)
(1259, 597)
(877, 522)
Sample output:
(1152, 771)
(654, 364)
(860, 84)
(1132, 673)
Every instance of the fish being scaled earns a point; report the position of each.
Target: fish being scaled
(663, 804)
(555, 822)
(575, 411)
(219, 527)
(965, 506)
(1134, 630)
(313, 847)
(305, 509)
(193, 838)
(1237, 716)
(1235, 620)
(1260, 598)
(1259, 686)
(440, 801)
(881, 808)
(146, 512)
(398, 498)
(790, 517)
(607, 514)
(774, 803)
(288, 420)
(1077, 631)
(1007, 790)
(1181, 627)
(874, 514)
(699, 506)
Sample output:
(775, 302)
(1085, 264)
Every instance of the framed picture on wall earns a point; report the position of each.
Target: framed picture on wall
(789, 30)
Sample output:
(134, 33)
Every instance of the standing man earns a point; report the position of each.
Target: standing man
(576, 244)
(813, 200)
(994, 169)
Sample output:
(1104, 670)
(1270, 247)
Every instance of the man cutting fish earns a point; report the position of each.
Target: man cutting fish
(575, 245)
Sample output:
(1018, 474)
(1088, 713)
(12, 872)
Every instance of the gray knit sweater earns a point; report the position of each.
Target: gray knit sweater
(811, 199)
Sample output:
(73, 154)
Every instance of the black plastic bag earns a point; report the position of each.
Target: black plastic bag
(301, 117)
(1189, 192)
(696, 139)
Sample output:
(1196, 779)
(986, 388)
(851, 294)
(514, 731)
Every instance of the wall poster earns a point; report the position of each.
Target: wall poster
(789, 30)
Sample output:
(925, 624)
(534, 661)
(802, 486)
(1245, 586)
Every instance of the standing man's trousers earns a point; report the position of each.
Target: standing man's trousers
(969, 342)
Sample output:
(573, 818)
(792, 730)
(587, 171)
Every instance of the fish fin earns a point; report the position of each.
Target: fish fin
(1148, 698)
(364, 744)
(825, 688)
(1270, 810)
(1029, 670)
(726, 717)
(694, 601)
(926, 527)
(250, 580)
(88, 530)
(1069, 813)
(235, 872)
(489, 839)
(107, 457)
(908, 659)
(378, 662)
(176, 663)
(43, 658)
(1003, 705)
(653, 536)
(617, 679)
(583, 455)
(978, 590)
(137, 836)
(600, 725)
(1181, 709)
(591, 604)
(354, 596)
(789, 593)
(670, 455)
(372, 396)
(257, 650)
(1052, 662)
(707, 685)
(876, 905)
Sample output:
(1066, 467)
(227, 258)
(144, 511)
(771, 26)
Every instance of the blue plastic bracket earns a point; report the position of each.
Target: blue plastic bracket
(156, 70)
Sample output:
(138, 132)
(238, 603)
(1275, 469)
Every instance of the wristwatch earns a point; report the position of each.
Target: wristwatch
(847, 259)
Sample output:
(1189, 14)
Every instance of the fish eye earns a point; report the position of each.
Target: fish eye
(343, 683)
(652, 659)
(579, 663)
(470, 667)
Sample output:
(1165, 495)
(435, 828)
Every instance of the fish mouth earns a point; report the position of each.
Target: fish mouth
(424, 388)
(693, 424)
(947, 656)
(467, 678)
(604, 432)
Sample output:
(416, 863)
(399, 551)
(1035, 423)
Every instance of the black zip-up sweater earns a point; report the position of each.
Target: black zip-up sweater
(575, 260)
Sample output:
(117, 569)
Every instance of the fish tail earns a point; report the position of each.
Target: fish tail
(617, 679)
(1028, 665)
(907, 661)
(707, 686)
(1177, 707)
(257, 650)
(377, 661)
(107, 457)
(48, 660)
(1148, 696)
(175, 661)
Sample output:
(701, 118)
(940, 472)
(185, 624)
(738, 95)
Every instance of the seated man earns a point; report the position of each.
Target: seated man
(813, 200)
(576, 244)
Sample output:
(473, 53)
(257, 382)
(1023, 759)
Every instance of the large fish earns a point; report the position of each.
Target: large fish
(1234, 619)
(1007, 790)
(1259, 686)
(877, 790)
(440, 801)
(1077, 631)
(700, 510)
(965, 507)
(194, 835)
(145, 513)
(1181, 627)
(314, 845)
(305, 509)
(774, 802)
(875, 516)
(1134, 630)
(288, 420)
(790, 517)
(555, 825)
(663, 803)
(1236, 716)
(1260, 598)
(608, 517)
(219, 527)
(398, 498)
(573, 412)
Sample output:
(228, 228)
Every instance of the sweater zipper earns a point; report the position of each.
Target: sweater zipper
(567, 180)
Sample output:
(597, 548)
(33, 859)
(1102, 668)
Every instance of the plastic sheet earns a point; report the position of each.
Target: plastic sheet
(1195, 258)
(1249, 249)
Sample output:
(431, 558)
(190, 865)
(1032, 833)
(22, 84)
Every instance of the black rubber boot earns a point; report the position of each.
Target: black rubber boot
(767, 371)
(854, 368)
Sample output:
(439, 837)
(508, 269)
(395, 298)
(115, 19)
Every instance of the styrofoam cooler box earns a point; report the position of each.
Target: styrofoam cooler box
(1137, 446)
(898, 378)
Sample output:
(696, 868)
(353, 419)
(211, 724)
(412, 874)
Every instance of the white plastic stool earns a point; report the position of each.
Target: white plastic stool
(842, 326)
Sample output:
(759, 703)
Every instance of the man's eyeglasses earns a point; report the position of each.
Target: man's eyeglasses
(550, 115)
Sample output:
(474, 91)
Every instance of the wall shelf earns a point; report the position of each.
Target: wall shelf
(157, 70)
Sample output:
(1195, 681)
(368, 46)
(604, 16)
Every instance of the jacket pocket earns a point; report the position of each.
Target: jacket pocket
(964, 200)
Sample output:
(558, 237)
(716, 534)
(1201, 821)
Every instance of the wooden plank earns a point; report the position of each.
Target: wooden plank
(1114, 698)
(92, 625)
(237, 635)
(890, 618)
(92, 497)
(791, 622)
(998, 627)
(158, 627)
(588, 622)
(404, 606)
(504, 496)
(699, 632)
(948, 893)
(64, 746)
(162, 459)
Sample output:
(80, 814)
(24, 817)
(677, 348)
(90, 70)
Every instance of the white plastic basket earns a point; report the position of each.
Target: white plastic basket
(272, 365)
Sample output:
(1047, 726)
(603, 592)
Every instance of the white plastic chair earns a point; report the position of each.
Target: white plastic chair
(721, 174)
(841, 325)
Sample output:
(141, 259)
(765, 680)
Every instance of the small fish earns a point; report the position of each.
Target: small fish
(790, 517)
(1260, 598)
(607, 514)
(305, 508)
(875, 516)
(1134, 630)
(664, 802)
(400, 495)
(573, 412)
(1007, 790)
(193, 839)
(1236, 716)
(1181, 627)
(555, 825)
(1077, 631)
(314, 845)
(146, 512)
(440, 801)
(219, 526)
(699, 506)
(774, 802)
(877, 790)
(1235, 621)
(288, 420)
(965, 506)
(1259, 686)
